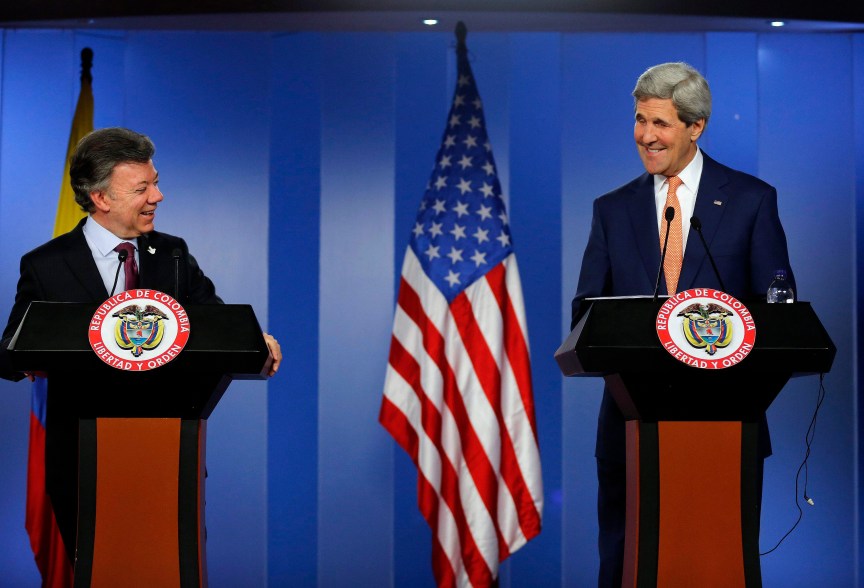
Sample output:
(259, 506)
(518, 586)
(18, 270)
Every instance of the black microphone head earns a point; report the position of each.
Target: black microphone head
(176, 253)
(122, 255)
(670, 214)
(696, 223)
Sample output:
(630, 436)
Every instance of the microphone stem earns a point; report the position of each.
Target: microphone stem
(711, 259)
(117, 274)
(662, 259)
(176, 255)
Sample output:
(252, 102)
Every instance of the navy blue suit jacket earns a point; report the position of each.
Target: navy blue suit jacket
(741, 226)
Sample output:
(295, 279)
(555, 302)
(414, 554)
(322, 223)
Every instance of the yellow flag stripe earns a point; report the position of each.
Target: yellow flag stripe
(68, 211)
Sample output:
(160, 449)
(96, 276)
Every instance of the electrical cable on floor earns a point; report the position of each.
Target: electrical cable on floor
(808, 441)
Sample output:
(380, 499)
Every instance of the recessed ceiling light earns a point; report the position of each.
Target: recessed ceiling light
(777, 23)
(430, 22)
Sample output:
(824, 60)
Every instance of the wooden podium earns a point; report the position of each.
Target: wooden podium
(141, 438)
(693, 480)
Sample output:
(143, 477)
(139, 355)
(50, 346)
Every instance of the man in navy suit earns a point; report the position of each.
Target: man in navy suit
(116, 183)
(740, 223)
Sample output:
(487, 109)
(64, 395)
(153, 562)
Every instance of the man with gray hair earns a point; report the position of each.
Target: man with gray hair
(740, 222)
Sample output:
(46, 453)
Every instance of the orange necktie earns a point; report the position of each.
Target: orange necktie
(675, 247)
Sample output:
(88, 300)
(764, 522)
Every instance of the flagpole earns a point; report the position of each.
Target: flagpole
(461, 33)
(86, 64)
(68, 211)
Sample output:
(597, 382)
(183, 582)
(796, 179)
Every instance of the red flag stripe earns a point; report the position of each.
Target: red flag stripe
(506, 290)
(456, 344)
(472, 419)
(48, 548)
(394, 420)
(404, 365)
(452, 383)
(490, 378)
(431, 342)
(454, 387)
(476, 409)
(518, 433)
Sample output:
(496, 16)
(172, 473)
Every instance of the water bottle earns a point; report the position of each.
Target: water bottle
(780, 289)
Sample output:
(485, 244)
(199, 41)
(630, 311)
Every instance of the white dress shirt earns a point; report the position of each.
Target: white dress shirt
(102, 243)
(686, 193)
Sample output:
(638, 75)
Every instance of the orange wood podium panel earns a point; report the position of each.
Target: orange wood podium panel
(127, 449)
(693, 465)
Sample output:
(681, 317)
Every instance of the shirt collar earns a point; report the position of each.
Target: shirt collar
(103, 240)
(689, 175)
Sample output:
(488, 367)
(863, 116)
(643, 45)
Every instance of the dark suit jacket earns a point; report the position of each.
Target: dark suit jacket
(740, 223)
(63, 270)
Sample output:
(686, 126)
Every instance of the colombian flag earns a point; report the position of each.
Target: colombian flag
(53, 561)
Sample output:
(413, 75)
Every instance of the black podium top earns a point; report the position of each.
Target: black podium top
(617, 339)
(223, 337)
(225, 344)
(619, 335)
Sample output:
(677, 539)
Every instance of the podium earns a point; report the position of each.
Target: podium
(140, 436)
(693, 476)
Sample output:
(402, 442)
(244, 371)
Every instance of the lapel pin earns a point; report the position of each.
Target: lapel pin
(718, 203)
(152, 250)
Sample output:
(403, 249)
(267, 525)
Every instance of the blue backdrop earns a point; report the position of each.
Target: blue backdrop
(293, 165)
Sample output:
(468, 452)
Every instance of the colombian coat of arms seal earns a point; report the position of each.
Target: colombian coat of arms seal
(139, 330)
(706, 328)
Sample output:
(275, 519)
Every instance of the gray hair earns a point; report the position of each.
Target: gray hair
(679, 82)
(97, 154)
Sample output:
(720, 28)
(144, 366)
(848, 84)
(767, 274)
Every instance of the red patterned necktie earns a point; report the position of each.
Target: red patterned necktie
(675, 247)
(130, 268)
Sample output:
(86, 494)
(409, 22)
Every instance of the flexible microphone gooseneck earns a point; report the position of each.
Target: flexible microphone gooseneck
(697, 225)
(176, 253)
(669, 215)
(121, 257)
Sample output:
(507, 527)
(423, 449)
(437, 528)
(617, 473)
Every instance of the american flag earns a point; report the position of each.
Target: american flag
(457, 395)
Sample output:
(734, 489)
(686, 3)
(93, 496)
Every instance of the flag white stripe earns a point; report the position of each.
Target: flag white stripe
(480, 522)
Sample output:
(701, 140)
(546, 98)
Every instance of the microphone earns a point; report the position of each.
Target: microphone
(176, 253)
(697, 225)
(121, 257)
(670, 215)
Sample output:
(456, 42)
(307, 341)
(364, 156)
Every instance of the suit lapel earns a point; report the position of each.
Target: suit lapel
(79, 258)
(155, 265)
(711, 205)
(147, 256)
(641, 207)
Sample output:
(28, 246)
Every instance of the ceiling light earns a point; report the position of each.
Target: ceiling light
(430, 22)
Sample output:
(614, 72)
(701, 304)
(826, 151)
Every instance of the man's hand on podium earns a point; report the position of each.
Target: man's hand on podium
(275, 351)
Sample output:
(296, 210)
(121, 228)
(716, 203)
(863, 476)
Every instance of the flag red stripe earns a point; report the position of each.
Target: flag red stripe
(49, 551)
(482, 471)
(514, 342)
(518, 356)
(406, 366)
(395, 421)
(490, 379)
